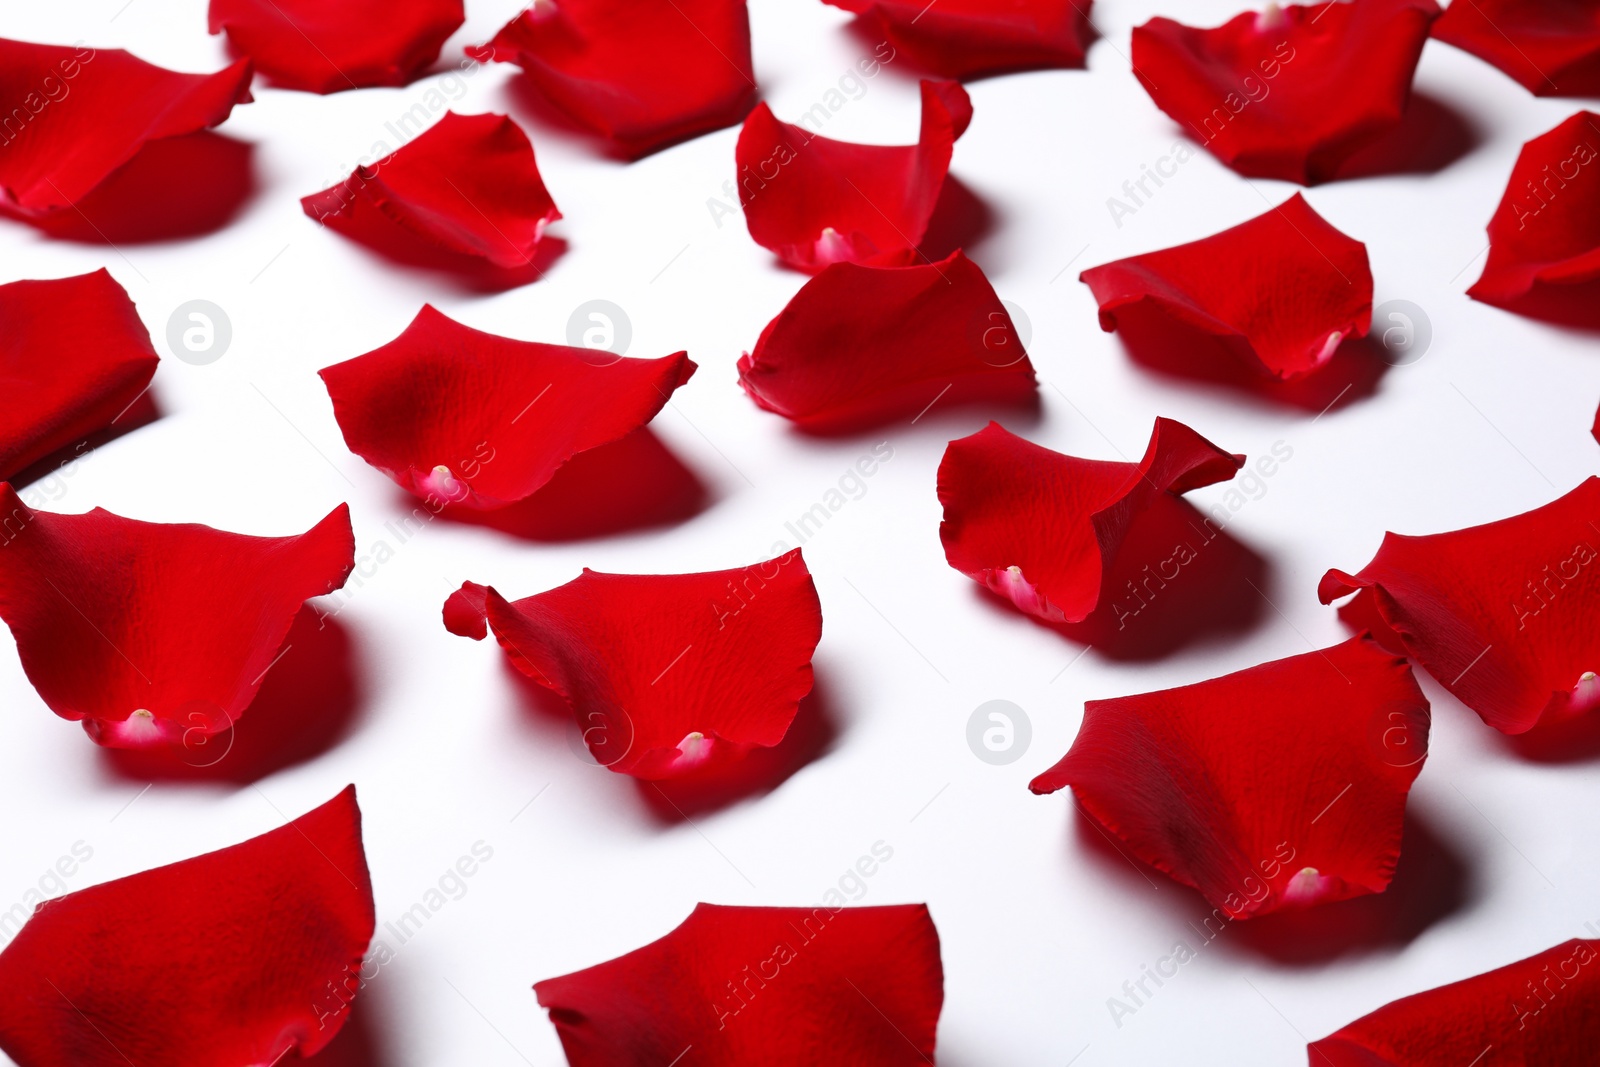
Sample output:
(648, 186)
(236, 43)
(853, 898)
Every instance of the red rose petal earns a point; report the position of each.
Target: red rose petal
(815, 201)
(1290, 92)
(665, 672)
(1544, 239)
(1536, 1011)
(782, 987)
(467, 418)
(868, 344)
(323, 46)
(74, 356)
(1042, 529)
(53, 153)
(1279, 786)
(154, 634)
(1281, 292)
(1552, 47)
(468, 186)
(642, 73)
(230, 958)
(1502, 615)
(966, 38)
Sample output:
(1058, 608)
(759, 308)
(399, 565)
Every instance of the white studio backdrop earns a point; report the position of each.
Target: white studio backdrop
(1040, 924)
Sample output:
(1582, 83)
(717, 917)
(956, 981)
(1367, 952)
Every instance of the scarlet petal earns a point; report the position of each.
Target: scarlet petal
(74, 356)
(867, 344)
(468, 186)
(966, 38)
(1502, 615)
(1042, 529)
(1290, 92)
(665, 672)
(462, 417)
(782, 987)
(323, 46)
(155, 634)
(262, 940)
(1537, 1010)
(1276, 787)
(1281, 291)
(1551, 48)
(815, 201)
(642, 73)
(58, 151)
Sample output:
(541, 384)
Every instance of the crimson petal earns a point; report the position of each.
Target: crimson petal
(154, 634)
(642, 73)
(1275, 787)
(1551, 47)
(1502, 615)
(815, 201)
(666, 673)
(967, 38)
(74, 357)
(782, 987)
(1290, 92)
(467, 418)
(1281, 291)
(1042, 529)
(55, 153)
(866, 344)
(262, 941)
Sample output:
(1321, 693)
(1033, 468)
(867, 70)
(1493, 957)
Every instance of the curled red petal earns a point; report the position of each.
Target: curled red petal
(967, 38)
(1281, 291)
(1544, 238)
(1551, 47)
(1540, 1010)
(53, 153)
(782, 987)
(1290, 92)
(1042, 529)
(665, 672)
(468, 187)
(642, 73)
(74, 356)
(813, 201)
(866, 344)
(324, 46)
(1502, 615)
(263, 941)
(1280, 786)
(154, 634)
(470, 419)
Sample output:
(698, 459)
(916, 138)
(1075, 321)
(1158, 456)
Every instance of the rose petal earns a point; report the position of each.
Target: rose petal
(782, 987)
(1279, 786)
(1042, 529)
(1291, 92)
(815, 201)
(642, 73)
(665, 672)
(235, 957)
(1539, 1010)
(1502, 615)
(154, 634)
(1281, 291)
(473, 420)
(1551, 48)
(74, 357)
(967, 38)
(53, 153)
(868, 344)
(467, 186)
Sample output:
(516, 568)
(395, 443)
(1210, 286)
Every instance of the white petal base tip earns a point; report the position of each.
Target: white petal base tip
(1011, 584)
(441, 482)
(1309, 886)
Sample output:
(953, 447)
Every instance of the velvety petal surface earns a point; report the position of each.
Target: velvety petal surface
(966, 38)
(1551, 47)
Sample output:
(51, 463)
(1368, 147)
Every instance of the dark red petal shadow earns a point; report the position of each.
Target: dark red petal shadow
(969, 38)
(1551, 47)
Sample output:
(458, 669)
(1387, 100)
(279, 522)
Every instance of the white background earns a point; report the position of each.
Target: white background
(1038, 925)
